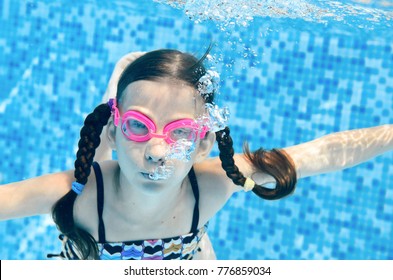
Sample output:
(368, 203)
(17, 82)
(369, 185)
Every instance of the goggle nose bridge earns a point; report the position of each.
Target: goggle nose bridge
(157, 135)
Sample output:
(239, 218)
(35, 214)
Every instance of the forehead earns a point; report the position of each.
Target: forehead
(168, 96)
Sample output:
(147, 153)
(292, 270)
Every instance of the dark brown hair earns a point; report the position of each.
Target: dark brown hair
(154, 66)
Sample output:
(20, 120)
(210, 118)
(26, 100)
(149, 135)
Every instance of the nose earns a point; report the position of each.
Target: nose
(156, 150)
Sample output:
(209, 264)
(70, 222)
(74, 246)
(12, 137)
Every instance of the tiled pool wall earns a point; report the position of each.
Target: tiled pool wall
(55, 61)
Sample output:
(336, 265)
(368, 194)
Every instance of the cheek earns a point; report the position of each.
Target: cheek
(186, 161)
(181, 168)
(128, 151)
(122, 143)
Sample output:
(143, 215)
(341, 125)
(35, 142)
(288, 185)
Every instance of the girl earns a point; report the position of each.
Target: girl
(155, 200)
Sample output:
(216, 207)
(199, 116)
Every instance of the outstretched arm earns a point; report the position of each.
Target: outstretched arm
(329, 153)
(340, 150)
(33, 196)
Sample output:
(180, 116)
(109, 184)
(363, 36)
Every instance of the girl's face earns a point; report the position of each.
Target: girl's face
(162, 102)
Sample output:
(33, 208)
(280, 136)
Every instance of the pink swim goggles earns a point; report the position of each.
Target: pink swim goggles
(139, 128)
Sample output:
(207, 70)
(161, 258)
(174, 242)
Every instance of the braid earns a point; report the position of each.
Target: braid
(62, 211)
(225, 145)
(89, 141)
(275, 163)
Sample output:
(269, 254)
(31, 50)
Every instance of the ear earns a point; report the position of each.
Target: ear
(205, 146)
(111, 134)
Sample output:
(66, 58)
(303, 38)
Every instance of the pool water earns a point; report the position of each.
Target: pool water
(290, 73)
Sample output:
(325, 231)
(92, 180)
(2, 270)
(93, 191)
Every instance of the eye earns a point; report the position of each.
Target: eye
(183, 133)
(135, 127)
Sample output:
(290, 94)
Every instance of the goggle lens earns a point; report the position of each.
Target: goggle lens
(182, 133)
(135, 127)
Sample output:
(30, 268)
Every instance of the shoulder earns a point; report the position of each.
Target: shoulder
(85, 209)
(211, 173)
(214, 186)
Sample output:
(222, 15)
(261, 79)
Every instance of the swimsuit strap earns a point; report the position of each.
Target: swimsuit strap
(100, 202)
(195, 190)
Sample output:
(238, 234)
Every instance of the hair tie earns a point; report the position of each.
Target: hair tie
(77, 187)
(111, 102)
(249, 185)
(113, 105)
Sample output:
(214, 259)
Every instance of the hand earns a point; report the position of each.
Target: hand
(119, 68)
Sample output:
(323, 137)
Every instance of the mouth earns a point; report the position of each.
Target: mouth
(150, 176)
(161, 172)
(145, 175)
